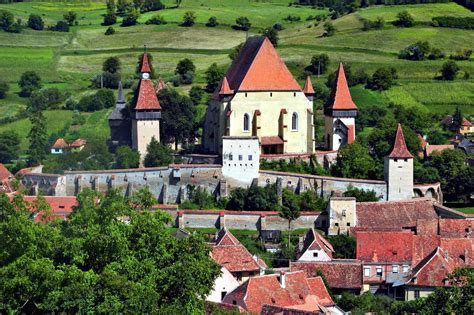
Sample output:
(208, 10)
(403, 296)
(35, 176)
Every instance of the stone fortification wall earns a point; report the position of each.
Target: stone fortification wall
(243, 220)
(324, 158)
(324, 185)
(46, 184)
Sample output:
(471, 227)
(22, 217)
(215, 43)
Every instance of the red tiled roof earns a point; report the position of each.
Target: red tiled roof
(25, 170)
(400, 149)
(384, 246)
(423, 245)
(61, 207)
(235, 258)
(315, 241)
(456, 228)
(225, 88)
(60, 144)
(160, 85)
(308, 87)
(78, 143)
(340, 96)
(224, 237)
(350, 134)
(460, 249)
(271, 140)
(422, 141)
(466, 123)
(147, 99)
(394, 214)
(4, 173)
(145, 66)
(298, 292)
(434, 269)
(258, 67)
(339, 273)
(430, 148)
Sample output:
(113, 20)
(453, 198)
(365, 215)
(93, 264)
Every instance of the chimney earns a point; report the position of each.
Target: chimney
(282, 279)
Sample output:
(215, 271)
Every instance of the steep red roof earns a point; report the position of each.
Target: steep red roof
(466, 123)
(160, 85)
(298, 293)
(384, 246)
(308, 87)
(147, 99)
(145, 66)
(258, 67)
(339, 273)
(4, 173)
(78, 143)
(61, 207)
(340, 96)
(433, 270)
(456, 228)
(400, 149)
(394, 214)
(224, 237)
(225, 88)
(315, 241)
(234, 257)
(60, 144)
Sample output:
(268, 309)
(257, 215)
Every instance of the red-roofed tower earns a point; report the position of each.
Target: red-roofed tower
(340, 112)
(398, 169)
(146, 113)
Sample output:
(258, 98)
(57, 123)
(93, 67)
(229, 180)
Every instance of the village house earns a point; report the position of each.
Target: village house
(314, 247)
(60, 146)
(466, 127)
(291, 291)
(5, 180)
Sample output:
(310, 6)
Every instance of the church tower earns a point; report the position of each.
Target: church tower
(398, 169)
(146, 113)
(119, 123)
(340, 112)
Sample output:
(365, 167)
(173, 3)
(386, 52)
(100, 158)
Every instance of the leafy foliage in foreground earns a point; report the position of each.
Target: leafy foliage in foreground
(95, 262)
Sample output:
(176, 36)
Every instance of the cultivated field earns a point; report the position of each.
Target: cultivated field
(69, 60)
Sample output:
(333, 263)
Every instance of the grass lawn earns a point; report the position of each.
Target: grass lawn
(468, 209)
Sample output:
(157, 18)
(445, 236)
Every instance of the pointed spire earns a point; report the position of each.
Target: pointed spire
(160, 85)
(225, 88)
(400, 149)
(120, 96)
(308, 87)
(145, 66)
(340, 96)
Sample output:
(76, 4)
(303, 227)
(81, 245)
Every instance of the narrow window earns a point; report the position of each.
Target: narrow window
(366, 271)
(240, 157)
(395, 268)
(294, 122)
(223, 293)
(246, 122)
(379, 271)
(405, 268)
(417, 294)
(343, 213)
(250, 157)
(230, 157)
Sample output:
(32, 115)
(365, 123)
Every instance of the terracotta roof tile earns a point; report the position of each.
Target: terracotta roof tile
(466, 123)
(271, 140)
(400, 149)
(61, 207)
(384, 246)
(4, 173)
(224, 88)
(430, 148)
(433, 270)
(340, 98)
(456, 228)
(147, 99)
(160, 85)
(224, 237)
(422, 141)
(339, 273)
(318, 288)
(78, 143)
(258, 67)
(235, 258)
(145, 65)
(308, 87)
(60, 143)
(315, 241)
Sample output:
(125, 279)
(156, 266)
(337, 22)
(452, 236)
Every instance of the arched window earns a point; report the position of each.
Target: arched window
(246, 122)
(294, 122)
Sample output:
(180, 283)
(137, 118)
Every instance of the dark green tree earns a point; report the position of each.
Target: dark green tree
(130, 18)
(195, 94)
(319, 63)
(158, 154)
(272, 35)
(126, 157)
(457, 120)
(109, 31)
(4, 87)
(214, 76)
(9, 146)
(242, 23)
(382, 79)
(38, 138)
(353, 161)
(184, 66)
(233, 54)
(329, 29)
(143, 199)
(112, 65)
(61, 26)
(289, 210)
(70, 17)
(29, 82)
(212, 22)
(109, 18)
(404, 19)
(7, 20)
(361, 195)
(449, 70)
(35, 22)
(189, 18)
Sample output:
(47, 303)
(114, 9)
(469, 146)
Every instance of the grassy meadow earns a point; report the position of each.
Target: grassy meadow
(69, 60)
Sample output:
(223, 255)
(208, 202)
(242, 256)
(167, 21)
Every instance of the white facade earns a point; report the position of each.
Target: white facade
(224, 284)
(398, 173)
(241, 158)
(337, 131)
(314, 255)
(142, 133)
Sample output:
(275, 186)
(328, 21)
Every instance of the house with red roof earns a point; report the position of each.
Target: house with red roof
(292, 291)
(259, 97)
(466, 126)
(59, 146)
(314, 247)
(5, 180)
(77, 145)
(340, 112)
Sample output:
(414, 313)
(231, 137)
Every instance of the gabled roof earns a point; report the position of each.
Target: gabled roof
(225, 88)
(342, 274)
(383, 246)
(60, 143)
(430, 148)
(224, 237)
(78, 143)
(147, 99)
(308, 87)
(315, 241)
(400, 149)
(456, 228)
(258, 67)
(235, 258)
(4, 173)
(160, 85)
(145, 66)
(433, 270)
(466, 123)
(340, 98)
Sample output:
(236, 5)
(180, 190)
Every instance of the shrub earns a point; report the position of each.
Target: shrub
(212, 22)
(158, 154)
(195, 94)
(4, 87)
(436, 53)
(242, 23)
(463, 54)
(329, 29)
(404, 19)
(382, 79)
(48, 98)
(61, 26)
(70, 17)
(7, 20)
(185, 65)
(454, 22)
(214, 76)
(272, 35)
(109, 19)
(292, 18)
(319, 63)
(109, 31)
(29, 81)
(151, 5)
(278, 26)
(35, 22)
(189, 18)
(417, 51)
(449, 70)
(100, 100)
(156, 20)
(130, 18)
